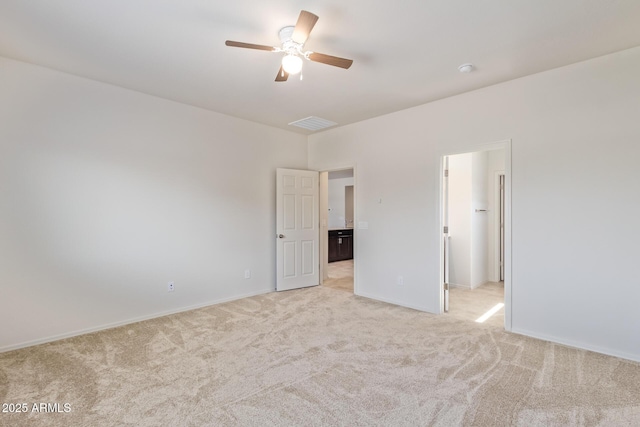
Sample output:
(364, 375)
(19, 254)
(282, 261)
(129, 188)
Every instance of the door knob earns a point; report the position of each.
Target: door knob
(280, 236)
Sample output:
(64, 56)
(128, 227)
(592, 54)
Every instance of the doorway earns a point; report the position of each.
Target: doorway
(475, 246)
(337, 239)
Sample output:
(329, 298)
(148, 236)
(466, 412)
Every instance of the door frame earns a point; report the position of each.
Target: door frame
(324, 236)
(497, 245)
(506, 145)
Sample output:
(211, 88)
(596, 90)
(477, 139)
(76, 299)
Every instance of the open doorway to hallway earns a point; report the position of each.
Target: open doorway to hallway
(474, 235)
(340, 276)
(338, 216)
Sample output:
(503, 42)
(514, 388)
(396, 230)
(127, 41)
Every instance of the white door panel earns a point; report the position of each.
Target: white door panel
(445, 233)
(297, 252)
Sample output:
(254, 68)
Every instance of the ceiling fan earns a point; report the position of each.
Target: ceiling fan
(293, 40)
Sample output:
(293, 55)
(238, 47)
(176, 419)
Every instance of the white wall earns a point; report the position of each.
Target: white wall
(479, 220)
(107, 194)
(575, 204)
(336, 201)
(468, 228)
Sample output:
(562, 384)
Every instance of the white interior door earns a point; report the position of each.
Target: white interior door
(501, 256)
(445, 234)
(297, 235)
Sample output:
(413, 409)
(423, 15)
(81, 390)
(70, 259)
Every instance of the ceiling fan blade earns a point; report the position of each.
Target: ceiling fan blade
(249, 45)
(331, 60)
(303, 27)
(282, 75)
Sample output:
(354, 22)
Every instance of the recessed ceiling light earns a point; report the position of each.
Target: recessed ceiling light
(465, 68)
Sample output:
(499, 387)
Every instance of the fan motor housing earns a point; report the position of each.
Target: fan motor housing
(285, 33)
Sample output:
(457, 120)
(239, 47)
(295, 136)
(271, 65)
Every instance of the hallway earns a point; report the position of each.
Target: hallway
(340, 276)
(470, 304)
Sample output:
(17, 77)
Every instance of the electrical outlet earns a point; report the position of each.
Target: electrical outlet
(400, 281)
(247, 274)
(170, 286)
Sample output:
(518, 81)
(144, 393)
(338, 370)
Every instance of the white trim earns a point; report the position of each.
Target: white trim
(496, 225)
(130, 321)
(577, 345)
(506, 145)
(395, 302)
(470, 287)
(323, 196)
(508, 303)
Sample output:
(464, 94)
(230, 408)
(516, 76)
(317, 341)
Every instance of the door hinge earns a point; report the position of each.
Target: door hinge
(446, 173)
(445, 229)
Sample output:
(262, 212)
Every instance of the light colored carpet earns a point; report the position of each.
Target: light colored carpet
(317, 357)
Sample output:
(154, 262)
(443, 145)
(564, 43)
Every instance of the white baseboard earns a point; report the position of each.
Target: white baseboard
(129, 321)
(479, 284)
(394, 302)
(455, 285)
(578, 345)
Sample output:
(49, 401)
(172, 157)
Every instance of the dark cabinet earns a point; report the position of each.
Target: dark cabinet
(340, 245)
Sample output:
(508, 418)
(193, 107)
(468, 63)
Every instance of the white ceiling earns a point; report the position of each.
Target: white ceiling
(405, 52)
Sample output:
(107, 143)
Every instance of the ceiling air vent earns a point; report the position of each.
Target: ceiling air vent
(313, 123)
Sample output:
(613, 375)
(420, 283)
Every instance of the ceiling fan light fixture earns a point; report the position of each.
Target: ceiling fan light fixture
(292, 63)
(293, 39)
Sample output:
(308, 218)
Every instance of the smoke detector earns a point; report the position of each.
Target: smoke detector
(465, 68)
